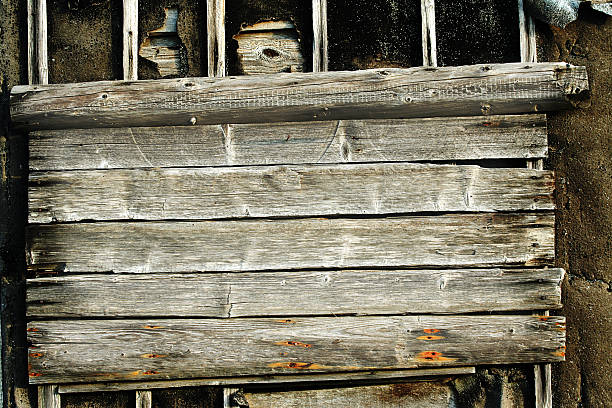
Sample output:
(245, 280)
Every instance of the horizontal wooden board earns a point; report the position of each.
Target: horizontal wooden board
(465, 138)
(283, 191)
(243, 245)
(370, 94)
(63, 351)
(295, 293)
(370, 376)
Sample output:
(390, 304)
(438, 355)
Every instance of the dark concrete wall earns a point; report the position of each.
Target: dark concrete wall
(86, 46)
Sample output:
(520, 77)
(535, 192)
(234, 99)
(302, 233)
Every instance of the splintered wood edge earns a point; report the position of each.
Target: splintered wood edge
(365, 376)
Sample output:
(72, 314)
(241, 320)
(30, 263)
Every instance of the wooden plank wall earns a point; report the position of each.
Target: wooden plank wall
(230, 246)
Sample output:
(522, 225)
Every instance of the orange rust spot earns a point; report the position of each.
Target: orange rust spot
(430, 337)
(491, 124)
(433, 356)
(559, 353)
(431, 331)
(288, 321)
(32, 329)
(296, 365)
(151, 372)
(36, 355)
(135, 373)
(35, 374)
(153, 327)
(293, 343)
(543, 318)
(154, 355)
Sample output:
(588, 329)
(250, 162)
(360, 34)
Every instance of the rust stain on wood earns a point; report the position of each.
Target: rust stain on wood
(430, 337)
(431, 331)
(148, 327)
(32, 329)
(36, 355)
(31, 374)
(293, 343)
(297, 365)
(154, 355)
(431, 355)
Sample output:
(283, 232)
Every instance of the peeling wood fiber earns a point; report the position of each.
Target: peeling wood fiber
(382, 93)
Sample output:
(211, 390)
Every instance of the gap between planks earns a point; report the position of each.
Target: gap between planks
(365, 377)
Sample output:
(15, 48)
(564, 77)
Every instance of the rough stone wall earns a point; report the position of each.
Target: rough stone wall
(581, 153)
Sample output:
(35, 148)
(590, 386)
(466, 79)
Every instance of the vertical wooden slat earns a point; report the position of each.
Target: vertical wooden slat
(41, 42)
(227, 396)
(32, 57)
(428, 20)
(320, 42)
(542, 372)
(49, 397)
(215, 24)
(130, 40)
(144, 399)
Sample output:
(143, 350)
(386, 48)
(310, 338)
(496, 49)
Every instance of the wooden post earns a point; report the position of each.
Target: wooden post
(130, 40)
(428, 20)
(38, 68)
(215, 25)
(49, 397)
(144, 399)
(227, 396)
(319, 28)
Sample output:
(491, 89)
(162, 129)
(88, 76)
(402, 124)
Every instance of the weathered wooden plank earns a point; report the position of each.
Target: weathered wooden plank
(295, 293)
(48, 397)
(428, 23)
(130, 40)
(41, 42)
(243, 245)
(144, 399)
(465, 138)
(61, 351)
(421, 395)
(378, 93)
(283, 191)
(396, 376)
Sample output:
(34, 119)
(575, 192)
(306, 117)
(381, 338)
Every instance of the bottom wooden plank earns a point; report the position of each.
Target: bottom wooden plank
(371, 376)
(105, 350)
(430, 395)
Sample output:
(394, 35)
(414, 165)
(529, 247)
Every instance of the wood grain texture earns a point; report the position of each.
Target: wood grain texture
(42, 59)
(48, 397)
(61, 351)
(422, 395)
(465, 138)
(243, 245)
(283, 191)
(378, 93)
(130, 40)
(215, 26)
(295, 293)
(262, 49)
(363, 377)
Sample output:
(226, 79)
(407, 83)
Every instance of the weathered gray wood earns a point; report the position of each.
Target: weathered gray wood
(48, 396)
(295, 293)
(61, 351)
(144, 399)
(41, 42)
(269, 47)
(378, 93)
(283, 191)
(31, 6)
(320, 41)
(243, 245)
(421, 395)
(528, 46)
(227, 396)
(466, 138)
(164, 48)
(130, 40)
(428, 23)
(365, 377)
(215, 25)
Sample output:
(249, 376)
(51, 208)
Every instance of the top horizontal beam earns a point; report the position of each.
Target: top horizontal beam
(378, 93)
